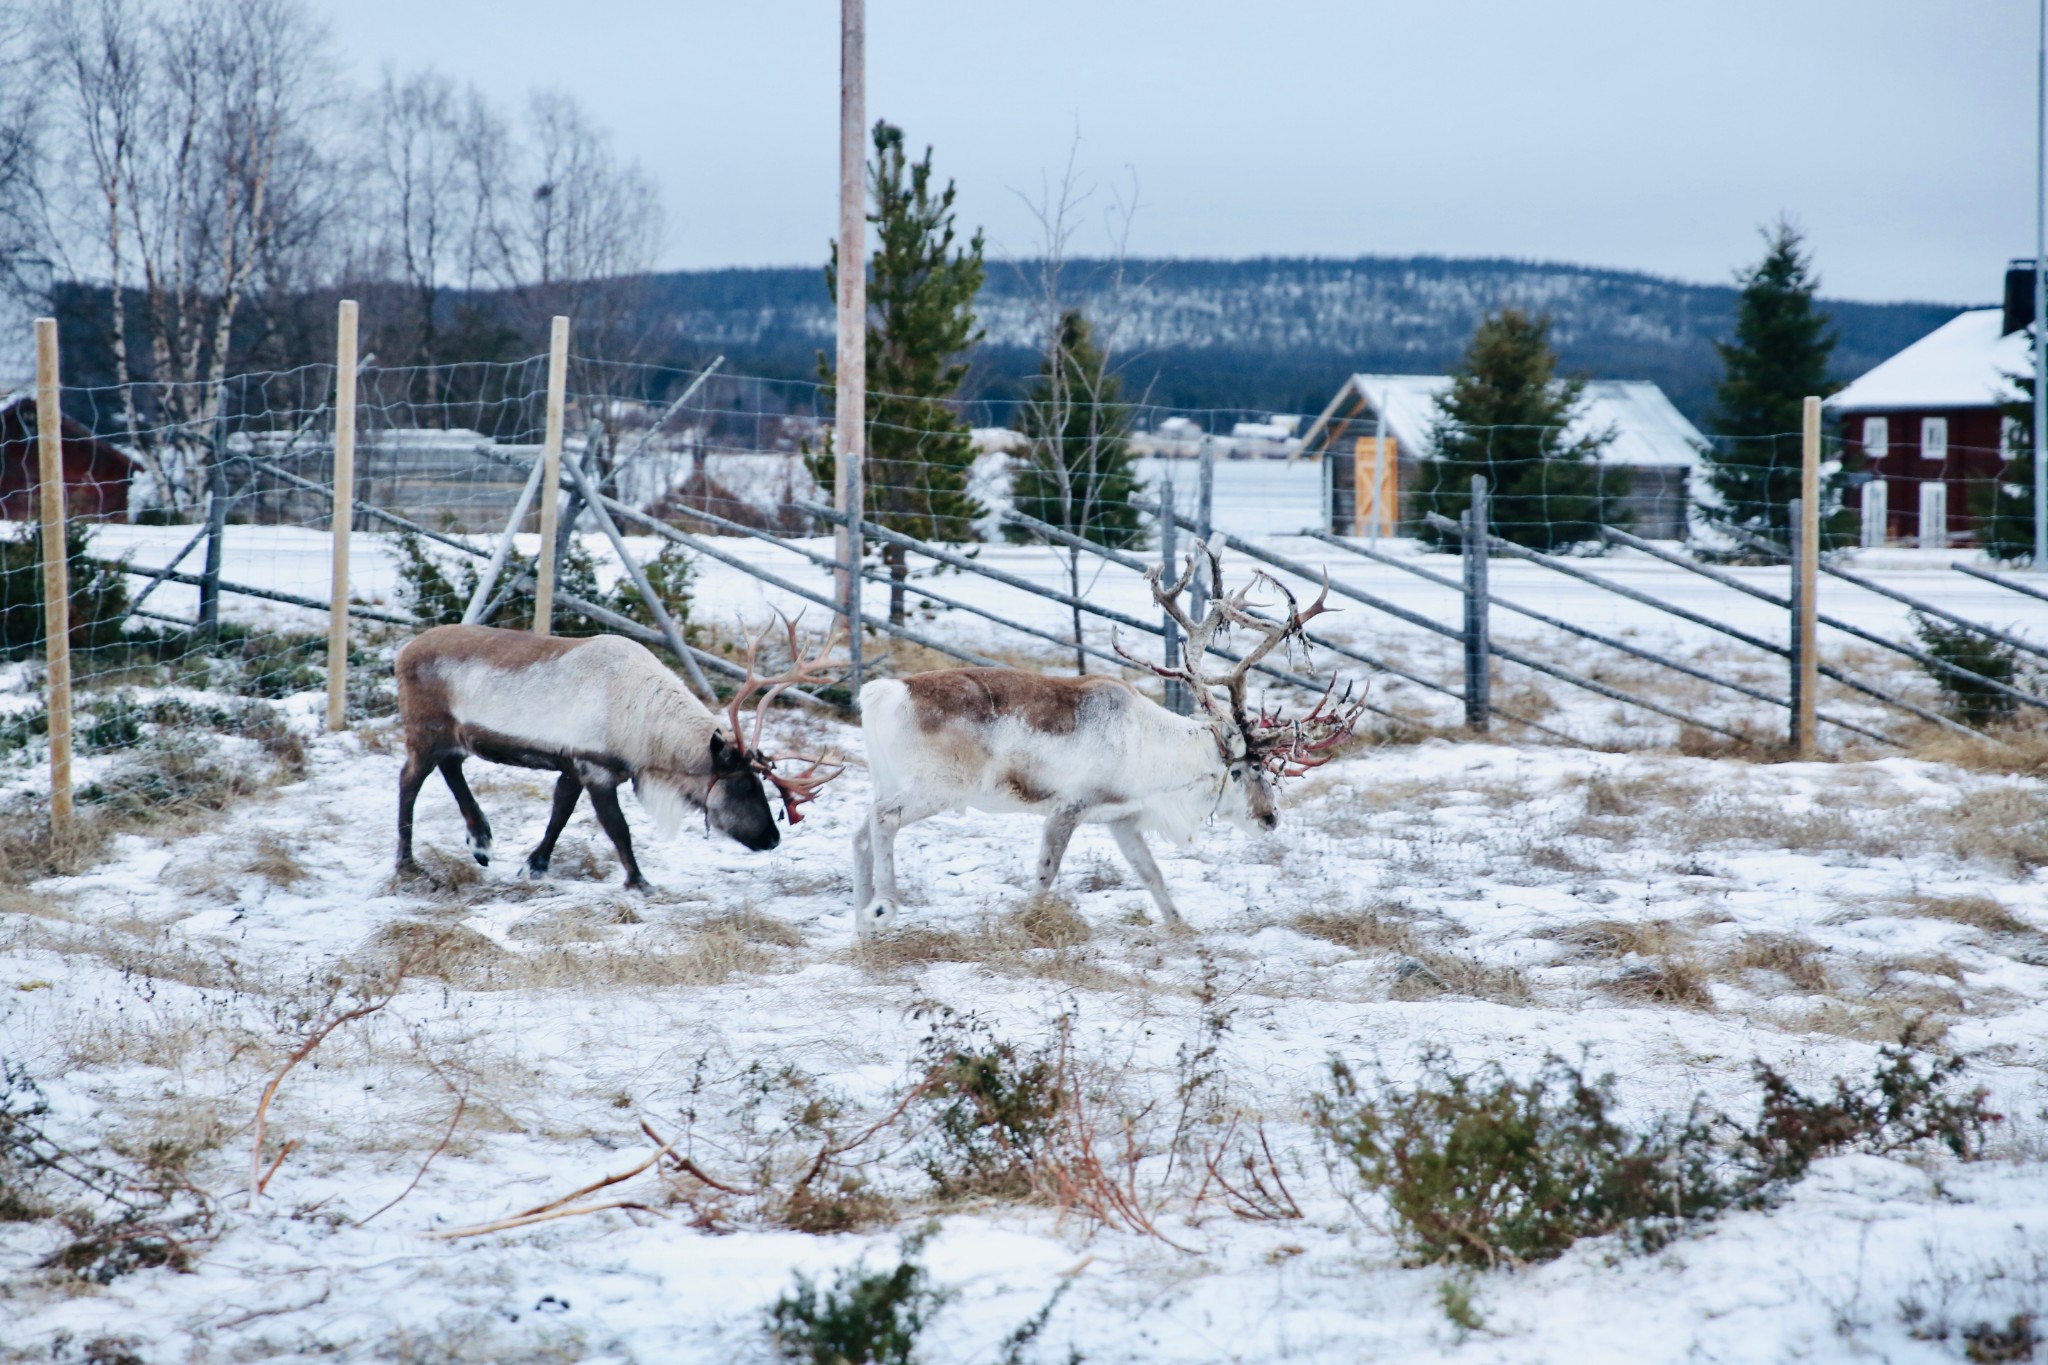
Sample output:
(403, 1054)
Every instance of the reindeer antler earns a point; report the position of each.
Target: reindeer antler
(1287, 748)
(1290, 748)
(801, 788)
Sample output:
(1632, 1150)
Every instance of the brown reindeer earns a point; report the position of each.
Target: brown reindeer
(602, 712)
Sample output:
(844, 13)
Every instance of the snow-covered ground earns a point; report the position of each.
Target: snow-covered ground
(1501, 902)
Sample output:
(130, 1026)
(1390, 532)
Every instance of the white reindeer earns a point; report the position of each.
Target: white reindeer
(600, 711)
(1086, 750)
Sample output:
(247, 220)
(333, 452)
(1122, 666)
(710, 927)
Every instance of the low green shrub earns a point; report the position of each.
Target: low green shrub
(865, 1318)
(437, 596)
(99, 595)
(1968, 700)
(1481, 1169)
(991, 1108)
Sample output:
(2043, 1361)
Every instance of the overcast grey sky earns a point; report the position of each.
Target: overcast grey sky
(1649, 134)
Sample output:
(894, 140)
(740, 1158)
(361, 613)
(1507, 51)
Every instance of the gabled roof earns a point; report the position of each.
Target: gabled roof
(1961, 364)
(1647, 429)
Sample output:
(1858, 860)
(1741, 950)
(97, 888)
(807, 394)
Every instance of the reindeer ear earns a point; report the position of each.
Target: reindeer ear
(726, 757)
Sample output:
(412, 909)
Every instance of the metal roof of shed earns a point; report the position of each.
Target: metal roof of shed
(1647, 429)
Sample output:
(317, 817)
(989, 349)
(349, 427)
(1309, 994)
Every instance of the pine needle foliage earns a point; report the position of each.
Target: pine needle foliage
(921, 324)
(1481, 1169)
(1505, 417)
(1969, 701)
(865, 1318)
(99, 595)
(1778, 357)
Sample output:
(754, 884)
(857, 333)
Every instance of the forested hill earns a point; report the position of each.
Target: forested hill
(1280, 334)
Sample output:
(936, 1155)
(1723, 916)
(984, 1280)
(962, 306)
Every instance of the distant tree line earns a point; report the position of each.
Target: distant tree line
(188, 188)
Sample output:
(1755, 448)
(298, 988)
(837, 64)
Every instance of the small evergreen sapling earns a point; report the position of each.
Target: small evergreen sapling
(1505, 417)
(867, 1317)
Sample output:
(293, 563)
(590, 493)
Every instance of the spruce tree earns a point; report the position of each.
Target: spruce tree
(2008, 521)
(1505, 417)
(1778, 357)
(921, 292)
(1080, 472)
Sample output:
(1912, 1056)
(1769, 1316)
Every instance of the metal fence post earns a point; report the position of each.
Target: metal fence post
(1177, 699)
(344, 510)
(551, 479)
(216, 516)
(1478, 676)
(56, 575)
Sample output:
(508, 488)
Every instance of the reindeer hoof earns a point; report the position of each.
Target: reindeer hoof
(640, 884)
(536, 870)
(870, 918)
(480, 851)
(409, 870)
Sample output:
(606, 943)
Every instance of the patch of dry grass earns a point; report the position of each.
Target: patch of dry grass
(1611, 939)
(1792, 956)
(2003, 824)
(1870, 1021)
(2021, 751)
(1668, 980)
(275, 862)
(1365, 930)
(1977, 912)
(1050, 922)
(1429, 973)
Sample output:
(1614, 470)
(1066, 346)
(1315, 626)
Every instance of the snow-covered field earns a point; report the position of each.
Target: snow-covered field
(1502, 902)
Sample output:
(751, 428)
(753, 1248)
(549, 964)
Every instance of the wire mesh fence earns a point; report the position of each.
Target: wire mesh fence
(201, 523)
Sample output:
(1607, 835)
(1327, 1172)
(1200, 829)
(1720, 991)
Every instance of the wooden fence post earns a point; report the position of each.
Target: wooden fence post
(1478, 673)
(1795, 538)
(56, 575)
(551, 479)
(850, 378)
(1806, 561)
(344, 514)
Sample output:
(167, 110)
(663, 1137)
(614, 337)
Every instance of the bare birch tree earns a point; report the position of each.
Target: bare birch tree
(1076, 466)
(186, 157)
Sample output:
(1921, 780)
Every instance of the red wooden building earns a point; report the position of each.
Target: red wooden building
(1928, 426)
(96, 472)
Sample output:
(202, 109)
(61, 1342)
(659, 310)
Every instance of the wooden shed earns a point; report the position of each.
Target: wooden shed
(96, 472)
(1377, 430)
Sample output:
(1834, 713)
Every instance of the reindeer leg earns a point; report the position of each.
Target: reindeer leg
(568, 788)
(1131, 840)
(411, 778)
(1059, 830)
(884, 821)
(604, 796)
(472, 813)
(864, 861)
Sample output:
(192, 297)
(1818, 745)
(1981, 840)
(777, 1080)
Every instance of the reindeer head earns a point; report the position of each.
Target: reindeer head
(736, 802)
(1258, 748)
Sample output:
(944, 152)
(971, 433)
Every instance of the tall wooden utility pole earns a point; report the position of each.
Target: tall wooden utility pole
(2041, 297)
(849, 417)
